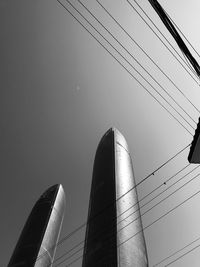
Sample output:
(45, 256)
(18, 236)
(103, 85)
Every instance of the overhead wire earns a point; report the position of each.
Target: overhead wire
(111, 54)
(195, 73)
(168, 159)
(172, 29)
(183, 255)
(145, 88)
(84, 224)
(187, 61)
(184, 36)
(162, 40)
(144, 228)
(158, 219)
(170, 186)
(132, 188)
(150, 58)
(139, 183)
(176, 252)
(84, 6)
(118, 222)
(155, 189)
(153, 3)
(192, 179)
(137, 202)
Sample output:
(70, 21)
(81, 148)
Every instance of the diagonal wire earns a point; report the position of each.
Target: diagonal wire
(161, 39)
(84, 224)
(165, 214)
(81, 226)
(159, 29)
(176, 252)
(122, 64)
(183, 35)
(139, 46)
(159, 202)
(159, 32)
(146, 227)
(183, 255)
(138, 64)
(144, 179)
(180, 179)
(155, 189)
(171, 28)
(77, 245)
(177, 206)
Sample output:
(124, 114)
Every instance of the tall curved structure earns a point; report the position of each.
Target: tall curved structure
(114, 234)
(37, 243)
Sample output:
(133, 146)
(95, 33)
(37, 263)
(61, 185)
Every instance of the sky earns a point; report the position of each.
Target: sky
(61, 91)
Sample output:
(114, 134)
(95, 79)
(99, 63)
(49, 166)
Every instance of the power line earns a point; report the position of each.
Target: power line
(151, 2)
(77, 245)
(133, 212)
(169, 25)
(145, 13)
(139, 82)
(161, 39)
(180, 179)
(97, 234)
(164, 183)
(59, 2)
(139, 46)
(183, 34)
(84, 224)
(155, 189)
(139, 65)
(122, 64)
(183, 202)
(155, 170)
(81, 226)
(176, 252)
(144, 179)
(183, 255)
(159, 202)
(158, 219)
(161, 32)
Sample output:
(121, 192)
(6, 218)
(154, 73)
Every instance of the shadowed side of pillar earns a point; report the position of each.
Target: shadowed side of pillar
(101, 242)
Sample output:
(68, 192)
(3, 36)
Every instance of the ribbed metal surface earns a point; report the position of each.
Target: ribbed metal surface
(37, 243)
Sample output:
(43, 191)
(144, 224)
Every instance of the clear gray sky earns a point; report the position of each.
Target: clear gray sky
(60, 91)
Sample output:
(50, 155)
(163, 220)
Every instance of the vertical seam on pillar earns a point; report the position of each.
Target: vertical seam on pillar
(114, 161)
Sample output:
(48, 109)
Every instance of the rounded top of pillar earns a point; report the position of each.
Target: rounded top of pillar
(55, 196)
(119, 139)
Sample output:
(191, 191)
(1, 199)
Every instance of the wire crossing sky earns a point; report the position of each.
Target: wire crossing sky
(128, 70)
(124, 218)
(64, 83)
(166, 20)
(143, 180)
